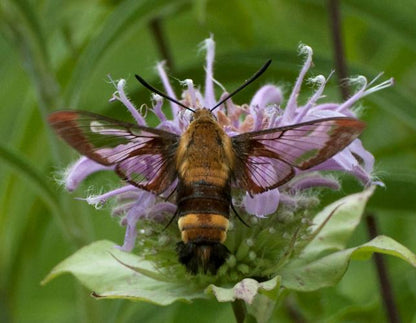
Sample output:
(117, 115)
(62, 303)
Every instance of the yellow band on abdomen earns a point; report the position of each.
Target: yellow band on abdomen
(203, 227)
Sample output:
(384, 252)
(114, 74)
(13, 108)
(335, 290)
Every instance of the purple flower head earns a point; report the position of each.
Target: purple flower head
(263, 112)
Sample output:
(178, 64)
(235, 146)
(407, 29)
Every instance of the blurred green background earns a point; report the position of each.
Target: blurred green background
(57, 54)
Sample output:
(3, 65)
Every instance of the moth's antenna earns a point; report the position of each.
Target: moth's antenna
(250, 80)
(152, 89)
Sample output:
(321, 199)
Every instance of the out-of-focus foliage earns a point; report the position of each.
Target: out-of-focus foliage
(57, 54)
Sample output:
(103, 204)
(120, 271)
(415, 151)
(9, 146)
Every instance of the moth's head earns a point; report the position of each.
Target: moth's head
(202, 114)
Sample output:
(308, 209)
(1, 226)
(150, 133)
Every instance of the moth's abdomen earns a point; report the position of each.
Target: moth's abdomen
(203, 211)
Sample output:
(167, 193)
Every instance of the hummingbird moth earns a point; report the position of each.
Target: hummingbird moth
(206, 162)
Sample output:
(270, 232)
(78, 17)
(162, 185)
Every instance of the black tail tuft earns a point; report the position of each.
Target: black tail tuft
(205, 257)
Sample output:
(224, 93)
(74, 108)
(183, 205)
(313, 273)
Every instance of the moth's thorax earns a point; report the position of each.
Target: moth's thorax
(205, 151)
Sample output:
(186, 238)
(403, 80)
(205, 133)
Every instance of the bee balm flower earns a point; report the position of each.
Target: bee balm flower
(265, 111)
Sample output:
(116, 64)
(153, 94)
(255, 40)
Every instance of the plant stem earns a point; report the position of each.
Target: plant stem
(383, 276)
(292, 310)
(161, 42)
(341, 65)
(240, 310)
(339, 54)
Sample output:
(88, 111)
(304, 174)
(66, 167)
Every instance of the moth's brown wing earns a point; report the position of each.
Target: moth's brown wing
(142, 156)
(266, 159)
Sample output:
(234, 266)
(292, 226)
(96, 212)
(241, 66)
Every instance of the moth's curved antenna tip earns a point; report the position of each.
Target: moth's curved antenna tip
(154, 90)
(250, 80)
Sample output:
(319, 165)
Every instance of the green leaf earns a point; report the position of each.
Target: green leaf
(334, 225)
(111, 273)
(328, 270)
(97, 268)
(323, 262)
